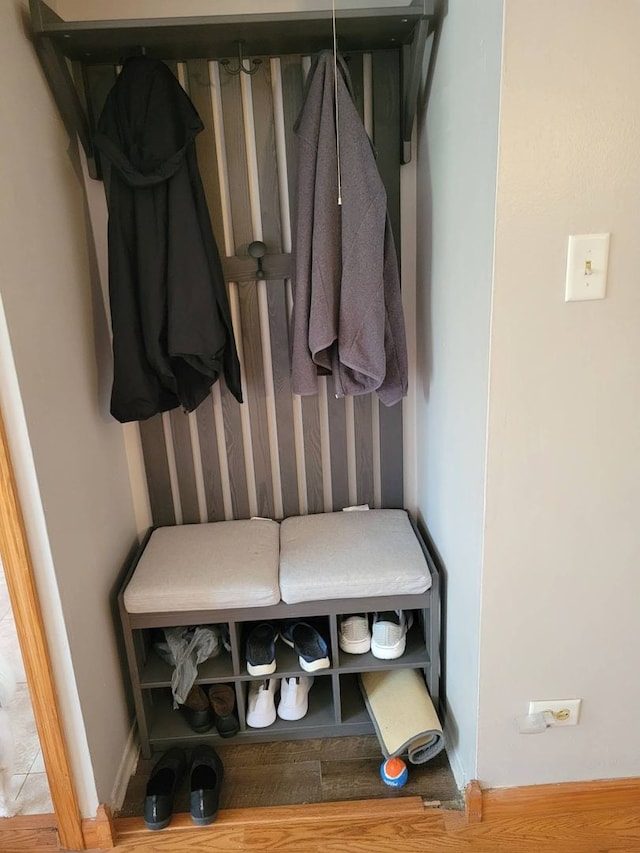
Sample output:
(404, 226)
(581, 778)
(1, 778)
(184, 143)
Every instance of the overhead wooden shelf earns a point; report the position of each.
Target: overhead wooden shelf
(403, 27)
(216, 36)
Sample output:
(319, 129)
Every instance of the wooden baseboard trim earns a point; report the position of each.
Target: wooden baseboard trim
(129, 829)
(473, 802)
(99, 832)
(558, 798)
(583, 817)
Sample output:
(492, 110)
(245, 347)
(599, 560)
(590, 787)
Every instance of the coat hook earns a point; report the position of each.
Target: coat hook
(226, 63)
(132, 52)
(258, 250)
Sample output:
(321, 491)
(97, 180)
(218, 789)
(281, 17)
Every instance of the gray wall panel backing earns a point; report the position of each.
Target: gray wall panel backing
(279, 328)
(338, 450)
(258, 402)
(362, 414)
(266, 157)
(241, 227)
(362, 405)
(208, 438)
(355, 66)
(183, 451)
(255, 394)
(157, 468)
(312, 454)
(243, 234)
(292, 92)
(235, 455)
(236, 161)
(263, 111)
(200, 94)
(386, 137)
(336, 406)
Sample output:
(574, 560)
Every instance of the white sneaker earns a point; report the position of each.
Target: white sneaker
(354, 636)
(294, 697)
(261, 706)
(389, 633)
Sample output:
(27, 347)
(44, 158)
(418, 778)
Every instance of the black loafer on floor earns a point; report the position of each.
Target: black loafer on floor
(161, 787)
(207, 773)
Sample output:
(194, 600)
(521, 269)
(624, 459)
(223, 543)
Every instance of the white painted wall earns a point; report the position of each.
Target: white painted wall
(456, 165)
(56, 325)
(43, 568)
(561, 582)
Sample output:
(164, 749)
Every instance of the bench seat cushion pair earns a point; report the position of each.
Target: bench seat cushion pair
(259, 562)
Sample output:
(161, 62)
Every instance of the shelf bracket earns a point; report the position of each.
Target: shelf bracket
(61, 82)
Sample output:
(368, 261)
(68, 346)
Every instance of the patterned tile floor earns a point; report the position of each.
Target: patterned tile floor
(30, 786)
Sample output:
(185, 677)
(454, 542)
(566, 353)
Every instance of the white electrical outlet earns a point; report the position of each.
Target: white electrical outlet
(561, 712)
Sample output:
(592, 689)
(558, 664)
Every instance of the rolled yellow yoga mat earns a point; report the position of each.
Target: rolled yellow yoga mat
(403, 714)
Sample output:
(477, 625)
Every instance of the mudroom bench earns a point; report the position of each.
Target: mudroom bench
(236, 573)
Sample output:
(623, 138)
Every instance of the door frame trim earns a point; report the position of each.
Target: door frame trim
(23, 594)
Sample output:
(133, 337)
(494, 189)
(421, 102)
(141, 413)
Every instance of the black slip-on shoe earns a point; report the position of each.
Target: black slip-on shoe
(310, 646)
(206, 778)
(161, 787)
(261, 649)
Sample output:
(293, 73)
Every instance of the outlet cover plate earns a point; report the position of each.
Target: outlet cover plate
(538, 706)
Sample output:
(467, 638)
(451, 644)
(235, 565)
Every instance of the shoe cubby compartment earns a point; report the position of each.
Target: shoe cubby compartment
(157, 673)
(415, 655)
(319, 721)
(287, 658)
(354, 717)
(335, 707)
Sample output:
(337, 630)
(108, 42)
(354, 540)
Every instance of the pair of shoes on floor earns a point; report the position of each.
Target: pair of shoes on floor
(293, 704)
(387, 638)
(303, 638)
(215, 707)
(205, 781)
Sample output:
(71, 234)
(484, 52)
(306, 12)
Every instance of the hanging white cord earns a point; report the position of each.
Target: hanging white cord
(335, 97)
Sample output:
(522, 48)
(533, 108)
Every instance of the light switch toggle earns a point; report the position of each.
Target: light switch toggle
(587, 261)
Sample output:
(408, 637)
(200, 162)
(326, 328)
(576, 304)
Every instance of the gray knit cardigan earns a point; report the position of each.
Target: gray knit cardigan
(347, 312)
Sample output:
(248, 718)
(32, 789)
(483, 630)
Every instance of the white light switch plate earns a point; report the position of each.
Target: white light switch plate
(587, 261)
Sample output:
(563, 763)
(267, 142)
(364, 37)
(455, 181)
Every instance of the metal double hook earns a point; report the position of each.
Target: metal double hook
(258, 250)
(226, 63)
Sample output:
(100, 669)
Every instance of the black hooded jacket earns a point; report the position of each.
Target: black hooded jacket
(172, 331)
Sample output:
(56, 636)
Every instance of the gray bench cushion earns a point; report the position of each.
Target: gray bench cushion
(350, 555)
(212, 566)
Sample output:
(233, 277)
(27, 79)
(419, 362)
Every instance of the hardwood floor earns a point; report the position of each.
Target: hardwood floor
(597, 817)
(283, 773)
(33, 833)
(592, 817)
(569, 826)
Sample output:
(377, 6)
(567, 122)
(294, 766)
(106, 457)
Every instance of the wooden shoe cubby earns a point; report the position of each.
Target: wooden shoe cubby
(336, 706)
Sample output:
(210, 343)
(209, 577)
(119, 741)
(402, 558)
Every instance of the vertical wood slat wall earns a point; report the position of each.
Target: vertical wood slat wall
(278, 454)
